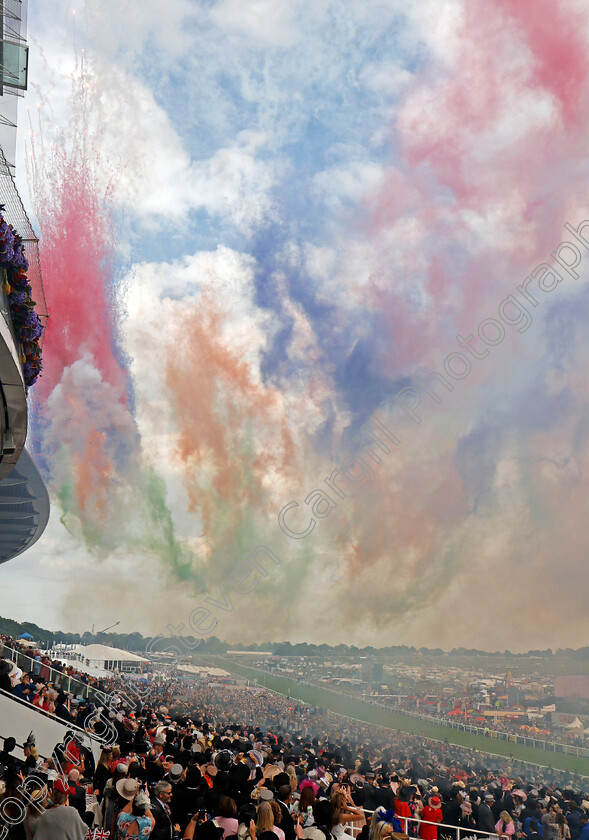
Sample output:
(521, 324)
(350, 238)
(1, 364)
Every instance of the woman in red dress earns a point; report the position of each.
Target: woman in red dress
(42, 700)
(401, 806)
(432, 813)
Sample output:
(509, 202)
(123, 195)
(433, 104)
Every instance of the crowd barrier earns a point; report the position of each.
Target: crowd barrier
(444, 829)
(512, 737)
(19, 717)
(60, 680)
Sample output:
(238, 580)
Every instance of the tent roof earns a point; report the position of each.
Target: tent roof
(107, 652)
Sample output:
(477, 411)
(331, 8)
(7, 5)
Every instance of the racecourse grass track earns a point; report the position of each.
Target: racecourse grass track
(343, 705)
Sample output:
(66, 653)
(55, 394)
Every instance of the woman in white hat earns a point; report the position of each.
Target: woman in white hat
(37, 804)
(135, 817)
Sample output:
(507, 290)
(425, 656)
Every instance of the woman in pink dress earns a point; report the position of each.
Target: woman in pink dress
(226, 816)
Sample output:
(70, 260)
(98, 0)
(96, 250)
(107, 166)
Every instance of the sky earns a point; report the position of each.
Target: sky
(267, 228)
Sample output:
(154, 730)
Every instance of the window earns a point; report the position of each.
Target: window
(14, 62)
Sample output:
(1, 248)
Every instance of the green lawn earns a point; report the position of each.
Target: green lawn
(343, 705)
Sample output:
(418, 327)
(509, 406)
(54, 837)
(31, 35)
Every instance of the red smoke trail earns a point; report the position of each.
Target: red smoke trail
(77, 251)
(80, 369)
(77, 260)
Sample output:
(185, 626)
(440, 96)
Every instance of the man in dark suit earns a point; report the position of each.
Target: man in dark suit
(485, 820)
(77, 792)
(160, 808)
(383, 795)
(284, 799)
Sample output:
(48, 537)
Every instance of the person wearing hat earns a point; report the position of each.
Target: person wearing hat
(32, 760)
(136, 809)
(174, 774)
(63, 707)
(467, 818)
(6, 757)
(383, 824)
(432, 813)
(25, 689)
(37, 803)
(61, 820)
(401, 807)
(155, 762)
(43, 699)
(109, 800)
(485, 819)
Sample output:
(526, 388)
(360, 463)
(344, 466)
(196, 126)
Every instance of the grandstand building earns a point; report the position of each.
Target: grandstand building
(24, 501)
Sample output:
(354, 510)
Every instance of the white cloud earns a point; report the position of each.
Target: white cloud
(265, 22)
(125, 29)
(347, 184)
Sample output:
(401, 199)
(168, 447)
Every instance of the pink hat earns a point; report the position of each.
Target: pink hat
(308, 783)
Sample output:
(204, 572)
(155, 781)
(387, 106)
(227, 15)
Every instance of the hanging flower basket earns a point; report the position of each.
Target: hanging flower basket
(26, 323)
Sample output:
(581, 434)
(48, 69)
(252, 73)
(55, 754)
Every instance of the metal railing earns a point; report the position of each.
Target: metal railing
(512, 737)
(85, 735)
(56, 677)
(485, 732)
(456, 832)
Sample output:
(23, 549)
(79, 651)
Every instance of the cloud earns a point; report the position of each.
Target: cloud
(306, 207)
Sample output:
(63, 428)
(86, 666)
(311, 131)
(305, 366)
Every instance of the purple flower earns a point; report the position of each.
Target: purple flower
(27, 324)
(19, 260)
(6, 245)
(17, 298)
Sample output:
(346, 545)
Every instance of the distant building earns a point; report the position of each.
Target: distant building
(109, 658)
(258, 653)
(24, 501)
(515, 696)
(367, 668)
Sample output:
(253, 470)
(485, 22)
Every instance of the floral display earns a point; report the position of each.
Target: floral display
(27, 325)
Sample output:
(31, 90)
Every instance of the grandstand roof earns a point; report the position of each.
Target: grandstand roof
(106, 653)
(24, 508)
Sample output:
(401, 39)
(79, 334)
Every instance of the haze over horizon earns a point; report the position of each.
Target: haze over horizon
(264, 227)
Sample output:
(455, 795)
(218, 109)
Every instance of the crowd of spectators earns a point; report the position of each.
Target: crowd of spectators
(211, 763)
(45, 670)
(512, 726)
(48, 671)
